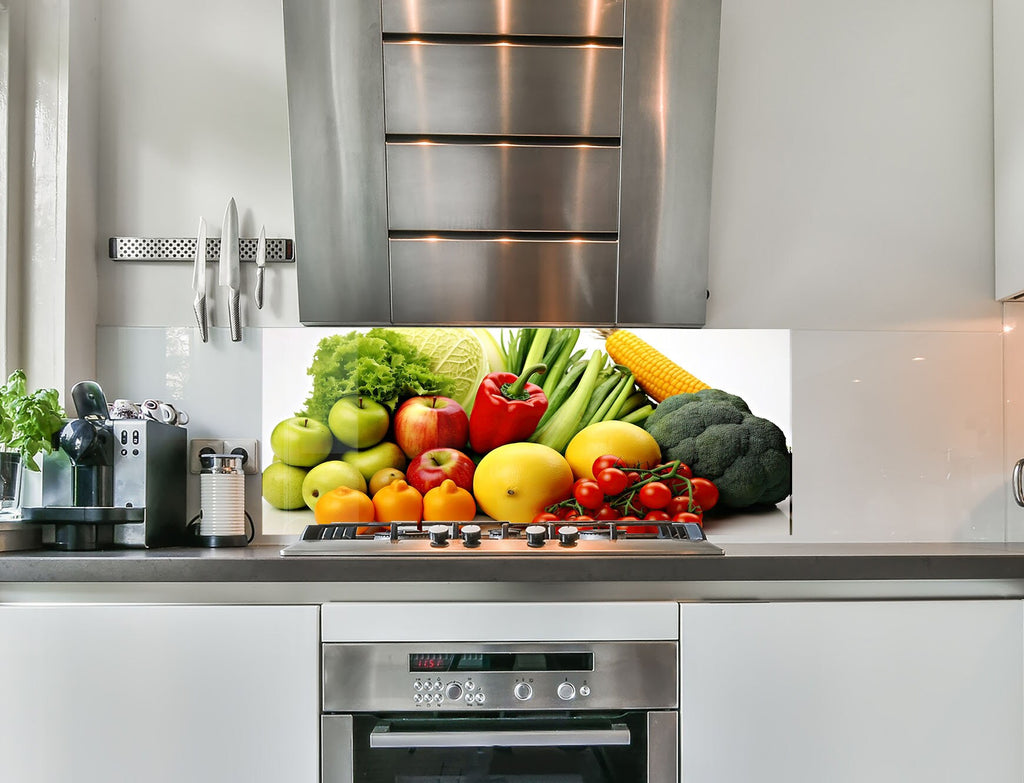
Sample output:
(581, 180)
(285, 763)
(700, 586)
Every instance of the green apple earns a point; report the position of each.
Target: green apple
(359, 422)
(384, 455)
(282, 486)
(329, 475)
(301, 441)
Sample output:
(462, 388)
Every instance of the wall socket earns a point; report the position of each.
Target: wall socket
(248, 447)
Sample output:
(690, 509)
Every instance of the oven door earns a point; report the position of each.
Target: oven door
(628, 747)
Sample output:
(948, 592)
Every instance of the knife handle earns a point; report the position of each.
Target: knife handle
(258, 293)
(235, 316)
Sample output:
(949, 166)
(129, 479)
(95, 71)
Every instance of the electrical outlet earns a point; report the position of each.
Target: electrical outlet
(198, 446)
(249, 448)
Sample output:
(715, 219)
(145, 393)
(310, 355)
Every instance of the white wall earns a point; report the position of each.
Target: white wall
(852, 204)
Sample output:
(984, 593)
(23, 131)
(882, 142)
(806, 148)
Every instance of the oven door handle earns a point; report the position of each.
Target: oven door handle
(383, 737)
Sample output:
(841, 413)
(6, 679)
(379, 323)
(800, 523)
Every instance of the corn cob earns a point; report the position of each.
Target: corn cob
(654, 372)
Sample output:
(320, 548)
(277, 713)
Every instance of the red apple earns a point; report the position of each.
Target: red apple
(432, 467)
(423, 423)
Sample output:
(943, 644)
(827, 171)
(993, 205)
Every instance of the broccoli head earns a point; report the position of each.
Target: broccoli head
(721, 440)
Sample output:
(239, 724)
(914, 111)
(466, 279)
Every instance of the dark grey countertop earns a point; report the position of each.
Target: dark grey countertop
(740, 563)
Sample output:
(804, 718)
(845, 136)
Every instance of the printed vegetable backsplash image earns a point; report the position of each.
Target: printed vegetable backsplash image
(387, 424)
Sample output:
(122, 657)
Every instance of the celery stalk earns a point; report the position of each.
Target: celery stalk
(625, 390)
(563, 390)
(562, 426)
(538, 346)
(638, 416)
(622, 385)
(561, 361)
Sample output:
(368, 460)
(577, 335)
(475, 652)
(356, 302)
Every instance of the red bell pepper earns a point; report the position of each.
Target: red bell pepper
(507, 409)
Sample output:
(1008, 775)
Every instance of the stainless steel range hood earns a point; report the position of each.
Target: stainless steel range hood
(502, 161)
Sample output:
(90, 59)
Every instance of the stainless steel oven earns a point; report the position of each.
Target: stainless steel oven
(567, 711)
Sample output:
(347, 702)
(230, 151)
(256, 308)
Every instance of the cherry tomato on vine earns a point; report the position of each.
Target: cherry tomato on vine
(682, 503)
(705, 494)
(606, 461)
(629, 518)
(588, 494)
(583, 518)
(544, 516)
(657, 515)
(606, 512)
(612, 481)
(633, 476)
(566, 511)
(655, 495)
(686, 516)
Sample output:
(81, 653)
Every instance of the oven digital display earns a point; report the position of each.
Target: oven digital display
(502, 662)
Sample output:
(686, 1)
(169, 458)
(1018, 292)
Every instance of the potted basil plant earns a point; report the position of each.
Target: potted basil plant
(28, 423)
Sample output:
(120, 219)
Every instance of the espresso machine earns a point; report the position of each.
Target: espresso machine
(112, 482)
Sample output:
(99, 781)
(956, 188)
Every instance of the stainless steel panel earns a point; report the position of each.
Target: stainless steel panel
(376, 677)
(336, 128)
(495, 281)
(662, 747)
(502, 89)
(502, 187)
(336, 747)
(670, 79)
(595, 18)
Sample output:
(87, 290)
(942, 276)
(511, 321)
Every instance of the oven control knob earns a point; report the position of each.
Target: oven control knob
(523, 691)
(535, 535)
(471, 535)
(566, 691)
(453, 691)
(438, 535)
(568, 535)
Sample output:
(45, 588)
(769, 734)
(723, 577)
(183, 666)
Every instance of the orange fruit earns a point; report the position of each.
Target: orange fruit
(634, 445)
(516, 481)
(343, 504)
(448, 503)
(398, 502)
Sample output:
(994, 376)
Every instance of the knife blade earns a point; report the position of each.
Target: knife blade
(261, 261)
(229, 275)
(199, 282)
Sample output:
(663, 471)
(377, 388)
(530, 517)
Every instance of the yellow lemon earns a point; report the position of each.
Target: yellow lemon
(515, 481)
(634, 445)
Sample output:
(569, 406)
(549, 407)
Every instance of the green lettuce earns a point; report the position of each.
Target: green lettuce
(380, 364)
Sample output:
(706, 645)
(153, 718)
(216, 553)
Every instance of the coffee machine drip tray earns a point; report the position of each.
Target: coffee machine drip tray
(83, 527)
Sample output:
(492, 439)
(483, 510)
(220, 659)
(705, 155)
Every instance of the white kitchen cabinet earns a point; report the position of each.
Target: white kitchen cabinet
(849, 692)
(159, 693)
(1008, 150)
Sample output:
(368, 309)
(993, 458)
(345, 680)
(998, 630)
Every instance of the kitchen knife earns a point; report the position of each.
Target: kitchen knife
(229, 276)
(199, 282)
(261, 261)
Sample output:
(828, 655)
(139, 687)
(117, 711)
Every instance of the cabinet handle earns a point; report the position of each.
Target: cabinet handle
(1018, 486)
(383, 737)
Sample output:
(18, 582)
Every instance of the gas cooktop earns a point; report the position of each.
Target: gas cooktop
(457, 539)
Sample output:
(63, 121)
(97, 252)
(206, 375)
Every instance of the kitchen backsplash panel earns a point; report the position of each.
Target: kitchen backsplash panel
(217, 383)
(897, 436)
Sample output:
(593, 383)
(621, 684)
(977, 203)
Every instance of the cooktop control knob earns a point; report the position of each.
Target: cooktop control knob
(523, 691)
(453, 691)
(568, 535)
(471, 535)
(535, 535)
(566, 691)
(438, 535)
